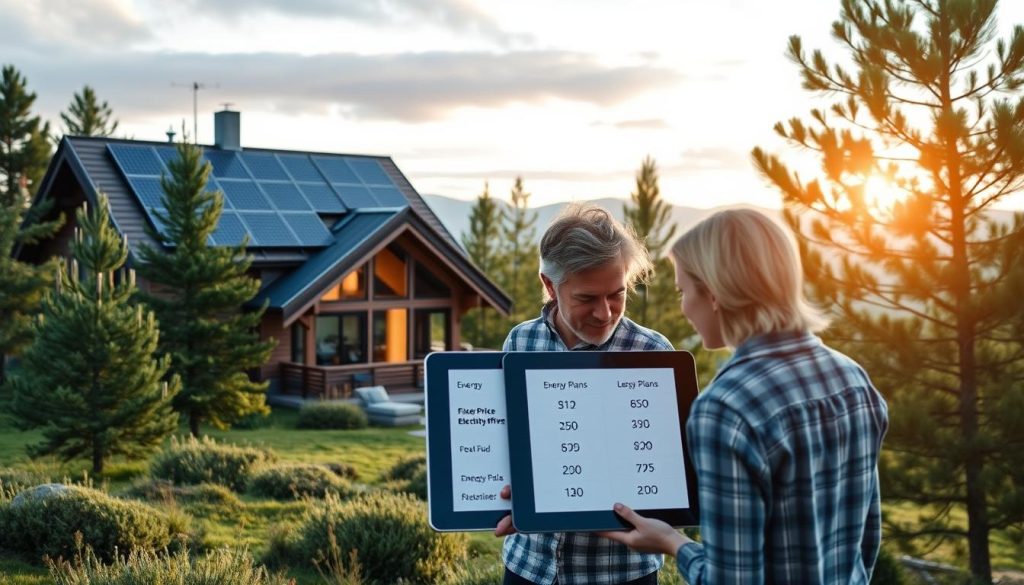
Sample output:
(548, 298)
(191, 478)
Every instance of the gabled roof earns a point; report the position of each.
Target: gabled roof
(284, 201)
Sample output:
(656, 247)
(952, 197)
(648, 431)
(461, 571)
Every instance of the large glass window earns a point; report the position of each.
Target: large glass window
(390, 276)
(429, 286)
(298, 343)
(351, 288)
(341, 339)
(431, 331)
(391, 335)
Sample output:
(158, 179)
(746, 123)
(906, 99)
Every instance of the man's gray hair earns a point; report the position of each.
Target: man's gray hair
(586, 236)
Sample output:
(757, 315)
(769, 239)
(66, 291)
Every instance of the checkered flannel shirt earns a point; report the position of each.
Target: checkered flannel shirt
(570, 558)
(785, 441)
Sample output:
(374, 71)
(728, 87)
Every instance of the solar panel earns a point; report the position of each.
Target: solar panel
(136, 160)
(226, 164)
(369, 171)
(230, 230)
(167, 154)
(285, 196)
(356, 196)
(269, 229)
(335, 169)
(300, 167)
(264, 166)
(389, 196)
(322, 198)
(309, 229)
(244, 195)
(148, 190)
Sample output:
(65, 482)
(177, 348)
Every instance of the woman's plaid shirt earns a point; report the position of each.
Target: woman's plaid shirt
(577, 558)
(785, 442)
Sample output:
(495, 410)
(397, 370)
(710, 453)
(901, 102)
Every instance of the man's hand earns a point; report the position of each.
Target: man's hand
(504, 527)
(648, 535)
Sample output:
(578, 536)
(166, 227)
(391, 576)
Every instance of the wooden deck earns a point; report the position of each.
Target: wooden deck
(331, 382)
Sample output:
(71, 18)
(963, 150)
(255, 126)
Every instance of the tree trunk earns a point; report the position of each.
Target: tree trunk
(97, 457)
(193, 424)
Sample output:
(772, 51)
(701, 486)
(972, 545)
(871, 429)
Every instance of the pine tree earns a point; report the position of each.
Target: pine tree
(90, 378)
(924, 287)
(649, 215)
(87, 117)
(211, 340)
(24, 139)
(484, 249)
(521, 256)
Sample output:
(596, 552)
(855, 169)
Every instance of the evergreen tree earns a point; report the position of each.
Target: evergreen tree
(483, 247)
(24, 139)
(924, 288)
(212, 342)
(87, 117)
(649, 216)
(90, 378)
(521, 256)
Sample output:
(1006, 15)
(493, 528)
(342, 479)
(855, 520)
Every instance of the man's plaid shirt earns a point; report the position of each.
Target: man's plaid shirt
(785, 441)
(571, 558)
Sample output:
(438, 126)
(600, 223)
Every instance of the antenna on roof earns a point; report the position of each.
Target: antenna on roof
(227, 106)
(196, 86)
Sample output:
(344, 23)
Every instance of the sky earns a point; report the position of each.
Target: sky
(569, 94)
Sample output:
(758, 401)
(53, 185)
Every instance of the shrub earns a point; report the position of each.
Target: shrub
(390, 535)
(13, 481)
(286, 482)
(888, 570)
(162, 490)
(198, 461)
(492, 574)
(46, 525)
(343, 470)
(145, 568)
(331, 415)
(408, 475)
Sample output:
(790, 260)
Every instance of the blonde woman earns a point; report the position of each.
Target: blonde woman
(786, 438)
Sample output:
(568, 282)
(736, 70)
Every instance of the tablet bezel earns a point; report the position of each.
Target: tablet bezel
(442, 515)
(524, 515)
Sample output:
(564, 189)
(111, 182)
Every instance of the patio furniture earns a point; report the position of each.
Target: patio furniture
(380, 410)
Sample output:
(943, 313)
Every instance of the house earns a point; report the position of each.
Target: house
(360, 277)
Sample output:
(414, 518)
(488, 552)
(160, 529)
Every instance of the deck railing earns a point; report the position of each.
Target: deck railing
(338, 381)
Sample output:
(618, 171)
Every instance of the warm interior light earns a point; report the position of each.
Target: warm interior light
(397, 335)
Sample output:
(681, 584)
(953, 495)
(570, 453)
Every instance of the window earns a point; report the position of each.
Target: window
(298, 343)
(351, 288)
(391, 335)
(429, 286)
(431, 330)
(390, 277)
(341, 339)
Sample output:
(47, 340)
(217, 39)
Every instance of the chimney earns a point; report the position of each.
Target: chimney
(227, 129)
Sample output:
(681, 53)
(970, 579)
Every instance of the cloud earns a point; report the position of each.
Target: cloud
(45, 25)
(708, 158)
(410, 87)
(646, 124)
(462, 16)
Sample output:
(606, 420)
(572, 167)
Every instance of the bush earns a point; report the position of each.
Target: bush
(162, 490)
(331, 415)
(193, 461)
(343, 470)
(145, 568)
(390, 535)
(287, 482)
(13, 481)
(888, 570)
(46, 525)
(492, 574)
(408, 475)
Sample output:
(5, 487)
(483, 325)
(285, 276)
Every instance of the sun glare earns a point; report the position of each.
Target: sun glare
(881, 193)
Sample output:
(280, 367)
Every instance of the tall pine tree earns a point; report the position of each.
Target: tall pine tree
(922, 285)
(24, 138)
(482, 244)
(90, 379)
(650, 217)
(521, 256)
(211, 340)
(86, 116)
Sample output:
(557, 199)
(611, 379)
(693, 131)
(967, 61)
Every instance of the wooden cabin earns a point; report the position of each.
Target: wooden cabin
(360, 277)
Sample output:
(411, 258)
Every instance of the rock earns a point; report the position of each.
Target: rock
(47, 490)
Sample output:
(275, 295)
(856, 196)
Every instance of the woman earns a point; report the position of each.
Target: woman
(785, 440)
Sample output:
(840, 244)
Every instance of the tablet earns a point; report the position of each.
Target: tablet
(588, 429)
(467, 440)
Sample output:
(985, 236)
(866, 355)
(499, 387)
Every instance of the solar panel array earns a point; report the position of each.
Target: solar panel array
(273, 198)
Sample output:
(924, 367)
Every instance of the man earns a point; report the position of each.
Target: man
(588, 264)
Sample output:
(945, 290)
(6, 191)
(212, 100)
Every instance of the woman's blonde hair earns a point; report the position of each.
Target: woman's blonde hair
(751, 267)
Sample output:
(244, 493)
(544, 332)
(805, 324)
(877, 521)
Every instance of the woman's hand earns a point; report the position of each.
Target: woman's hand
(504, 527)
(648, 535)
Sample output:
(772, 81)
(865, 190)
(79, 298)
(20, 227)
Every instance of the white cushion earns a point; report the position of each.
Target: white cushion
(373, 394)
(393, 409)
